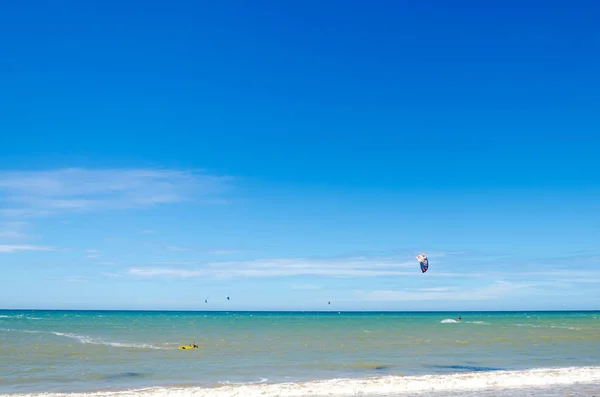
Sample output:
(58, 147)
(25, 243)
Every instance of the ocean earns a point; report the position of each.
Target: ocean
(135, 353)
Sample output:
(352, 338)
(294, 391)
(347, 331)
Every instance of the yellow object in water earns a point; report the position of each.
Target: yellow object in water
(184, 347)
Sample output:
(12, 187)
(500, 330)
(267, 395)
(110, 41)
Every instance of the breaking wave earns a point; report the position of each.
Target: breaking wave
(385, 385)
(91, 340)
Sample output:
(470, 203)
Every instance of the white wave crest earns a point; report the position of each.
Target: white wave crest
(95, 341)
(548, 326)
(20, 330)
(448, 320)
(20, 316)
(261, 380)
(90, 340)
(396, 385)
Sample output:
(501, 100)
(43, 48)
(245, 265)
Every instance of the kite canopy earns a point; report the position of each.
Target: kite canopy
(422, 258)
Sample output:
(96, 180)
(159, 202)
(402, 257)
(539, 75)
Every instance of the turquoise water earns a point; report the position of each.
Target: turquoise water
(90, 351)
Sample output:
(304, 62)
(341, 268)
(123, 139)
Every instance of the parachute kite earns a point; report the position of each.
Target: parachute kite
(422, 258)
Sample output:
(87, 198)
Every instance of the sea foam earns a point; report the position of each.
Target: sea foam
(386, 385)
(90, 340)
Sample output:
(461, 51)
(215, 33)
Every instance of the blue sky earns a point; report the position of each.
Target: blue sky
(156, 155)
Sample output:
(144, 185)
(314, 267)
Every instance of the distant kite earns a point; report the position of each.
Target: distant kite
(424, 262)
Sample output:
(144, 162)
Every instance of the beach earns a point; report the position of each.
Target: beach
(135, 353)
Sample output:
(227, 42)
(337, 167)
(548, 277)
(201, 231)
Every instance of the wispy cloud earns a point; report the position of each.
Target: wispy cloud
(226, 252)
(22, 212)
(285, 267)
(570, 258)
(112, 274)
(28, 193)
(166, 247)
(92, 253)
(433, 289)
(105, 263)
(7, 248)
(165, 272)
(555, 275)
(148, 231)
(77, 279)
(70, 279)
(13, 230)
(497, 289)
(582, 280)
(306, 287)
(176, 248)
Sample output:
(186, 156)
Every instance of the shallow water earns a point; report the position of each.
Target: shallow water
(71, 351)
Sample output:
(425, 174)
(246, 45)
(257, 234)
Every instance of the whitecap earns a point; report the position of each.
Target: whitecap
(90, 340)
(548, 326)
(261, 380)
(384, 385)
(96, 341)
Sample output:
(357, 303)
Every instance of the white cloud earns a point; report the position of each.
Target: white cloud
(112, 274)
(226, 252)
(29, 193)
(23, 247)
(582, 280)
(496, 290)
(338, 267)
(562, 274)
(22, 212)
(105, 263)
(305, 287)
(176, 263)
(149, 272)
(177, 249)
(70, 279)
(92, 253)
(13, 229)
(435, 289)
(76, 279)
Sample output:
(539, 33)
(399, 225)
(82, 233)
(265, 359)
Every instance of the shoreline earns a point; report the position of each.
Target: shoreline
(388, 385)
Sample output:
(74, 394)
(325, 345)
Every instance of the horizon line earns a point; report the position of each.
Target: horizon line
(309, 311)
